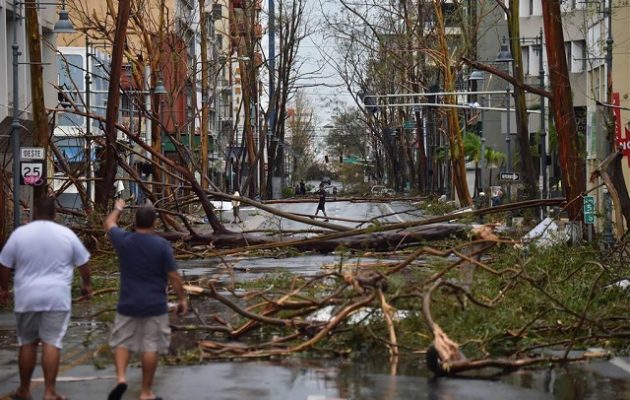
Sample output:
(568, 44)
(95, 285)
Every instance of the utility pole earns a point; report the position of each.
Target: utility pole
(508, 141)
(204, 95)
(107, 171)
(38, 107)
(543, 131)
(573, 178)
(88, 139)
(607, 234)
(15, 123)
(272, 92)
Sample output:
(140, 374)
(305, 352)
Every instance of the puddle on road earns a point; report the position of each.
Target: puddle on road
(254, 268)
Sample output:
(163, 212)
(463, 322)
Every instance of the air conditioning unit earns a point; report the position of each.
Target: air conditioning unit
(217, 11)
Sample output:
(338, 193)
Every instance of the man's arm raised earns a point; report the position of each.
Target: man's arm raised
(111, 220)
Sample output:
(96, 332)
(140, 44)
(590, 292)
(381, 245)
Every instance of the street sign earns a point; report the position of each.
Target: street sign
(410, 124)
(589, 210)
(32, 153)
(589, 204)
(32, 173)
(509, 176)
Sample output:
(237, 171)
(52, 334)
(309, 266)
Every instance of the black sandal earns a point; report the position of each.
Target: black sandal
(117, 392)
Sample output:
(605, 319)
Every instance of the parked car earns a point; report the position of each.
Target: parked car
(381, 191)
(326, 180)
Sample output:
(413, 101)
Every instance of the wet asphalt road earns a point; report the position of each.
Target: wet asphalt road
(394, 212)
(303, 379)
(307, 379)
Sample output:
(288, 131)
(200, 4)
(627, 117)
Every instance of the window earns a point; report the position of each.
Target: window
(219, 40)
(531, 7)
(99, 87)
(578, 64)
(525, 56)
(567, 51)
(73, 150)
(72, 83)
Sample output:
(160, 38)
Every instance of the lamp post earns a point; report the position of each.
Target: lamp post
(475, 77)
(505, 56)
(538, 48)
(272, 92)
(607, 233)
(64, 25)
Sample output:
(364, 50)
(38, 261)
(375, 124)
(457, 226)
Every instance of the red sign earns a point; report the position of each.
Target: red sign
(621, 141)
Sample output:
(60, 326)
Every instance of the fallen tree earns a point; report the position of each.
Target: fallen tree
(379, 301)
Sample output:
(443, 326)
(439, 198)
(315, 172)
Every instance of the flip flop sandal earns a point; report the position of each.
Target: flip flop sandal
(117, 392)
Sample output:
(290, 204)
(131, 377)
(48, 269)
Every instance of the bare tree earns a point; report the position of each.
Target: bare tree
(293, 27)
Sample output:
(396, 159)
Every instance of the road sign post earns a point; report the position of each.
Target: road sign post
(32, 173)
(509, 176)
(32, 153)
(589, 210)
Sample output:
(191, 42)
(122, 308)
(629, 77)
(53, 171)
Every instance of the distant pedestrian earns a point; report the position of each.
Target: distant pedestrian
(236, 208)
(42, 256)
(321, 206)
(497, 198)
(302, 187)
(146, 264)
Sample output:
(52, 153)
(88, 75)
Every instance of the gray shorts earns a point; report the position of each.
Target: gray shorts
(141, 334)
(48, 326)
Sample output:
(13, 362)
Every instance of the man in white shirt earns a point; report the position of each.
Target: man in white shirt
(42, 256)
(236, 208)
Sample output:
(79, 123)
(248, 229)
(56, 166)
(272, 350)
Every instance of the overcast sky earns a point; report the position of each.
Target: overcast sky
(321, 81)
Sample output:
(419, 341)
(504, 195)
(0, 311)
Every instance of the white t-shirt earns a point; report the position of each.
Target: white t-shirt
(236, 203)
(43, 255)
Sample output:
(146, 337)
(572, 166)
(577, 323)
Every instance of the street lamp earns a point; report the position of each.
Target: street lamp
(538, 48)
(505, 56)
(62, 26)
(159, 87)
(475, 77)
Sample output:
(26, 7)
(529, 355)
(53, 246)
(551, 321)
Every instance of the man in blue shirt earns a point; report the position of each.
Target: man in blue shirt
(146, 265)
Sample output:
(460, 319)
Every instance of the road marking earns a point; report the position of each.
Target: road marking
(391, 210)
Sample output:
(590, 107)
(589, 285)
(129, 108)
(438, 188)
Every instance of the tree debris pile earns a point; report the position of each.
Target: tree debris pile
(519, 303)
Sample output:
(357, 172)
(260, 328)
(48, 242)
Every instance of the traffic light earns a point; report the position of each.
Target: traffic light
(369, 101)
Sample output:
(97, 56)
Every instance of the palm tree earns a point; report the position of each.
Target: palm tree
(493, 159)
(472, 151)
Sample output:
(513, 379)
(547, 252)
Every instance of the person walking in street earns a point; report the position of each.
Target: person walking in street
(141, 325)
(42, 256)
(236, 208)
(321, 206)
